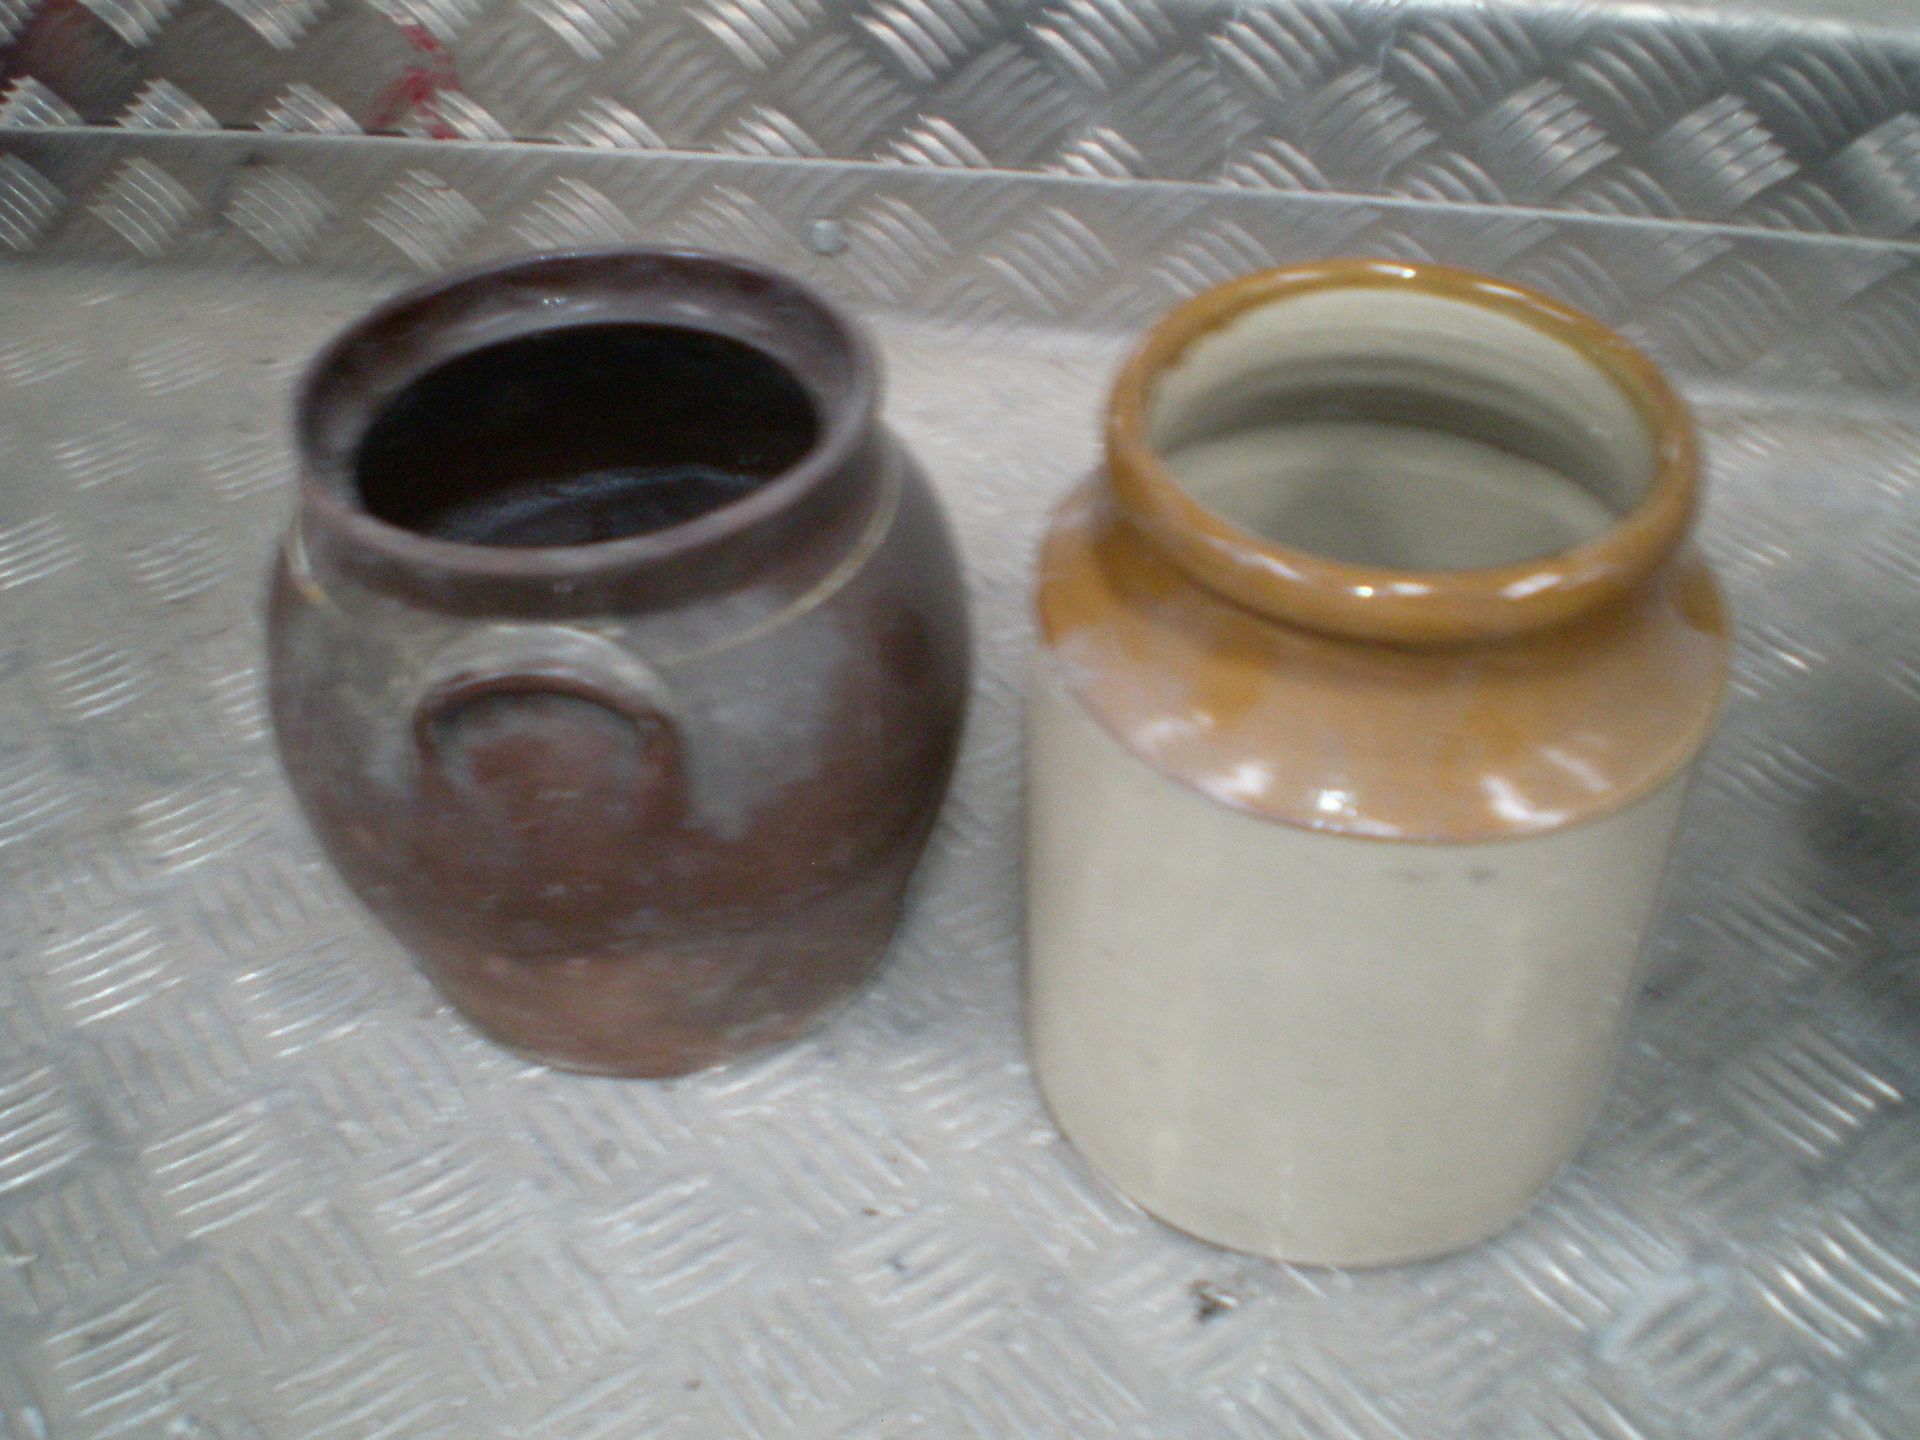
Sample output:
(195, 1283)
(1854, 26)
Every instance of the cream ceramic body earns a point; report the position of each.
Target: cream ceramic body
(1315, 1046)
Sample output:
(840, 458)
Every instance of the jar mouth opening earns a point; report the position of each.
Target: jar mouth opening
(559, 414)
(1399, 452)
(584, 434)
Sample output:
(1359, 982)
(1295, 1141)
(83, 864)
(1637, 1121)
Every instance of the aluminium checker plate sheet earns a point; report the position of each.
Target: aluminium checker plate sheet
(256, 1184)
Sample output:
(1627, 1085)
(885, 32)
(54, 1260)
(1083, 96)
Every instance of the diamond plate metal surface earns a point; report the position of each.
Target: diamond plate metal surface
(1831, 314)
(1795, 114)
(256, 1183)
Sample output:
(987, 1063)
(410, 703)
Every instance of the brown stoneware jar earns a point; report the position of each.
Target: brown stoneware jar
(618, 654)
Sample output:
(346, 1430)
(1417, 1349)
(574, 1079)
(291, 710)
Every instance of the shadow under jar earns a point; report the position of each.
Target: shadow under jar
(1373, 665)
(617, 653)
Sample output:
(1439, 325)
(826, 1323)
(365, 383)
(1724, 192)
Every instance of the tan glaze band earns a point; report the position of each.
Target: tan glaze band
(1402, 606)
(1252, 688)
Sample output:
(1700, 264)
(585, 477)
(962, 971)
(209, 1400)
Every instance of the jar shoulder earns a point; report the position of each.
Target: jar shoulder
(1448, 743)
(885, 626)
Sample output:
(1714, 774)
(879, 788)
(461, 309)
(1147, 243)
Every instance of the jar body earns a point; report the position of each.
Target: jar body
(611, 933)
(1318, 1047)
(1372, 667)
(617, 653)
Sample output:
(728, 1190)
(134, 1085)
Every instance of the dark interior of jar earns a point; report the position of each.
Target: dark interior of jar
(583, 434)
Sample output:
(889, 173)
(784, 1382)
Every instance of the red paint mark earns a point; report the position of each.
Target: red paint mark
(419, 87)
(55, 35)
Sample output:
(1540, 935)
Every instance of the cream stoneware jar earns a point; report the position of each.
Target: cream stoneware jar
(1372, 667)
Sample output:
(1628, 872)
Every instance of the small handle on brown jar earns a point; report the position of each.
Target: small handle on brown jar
(555, 660)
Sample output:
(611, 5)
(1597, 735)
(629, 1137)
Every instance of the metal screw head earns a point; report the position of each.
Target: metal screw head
(826, 237)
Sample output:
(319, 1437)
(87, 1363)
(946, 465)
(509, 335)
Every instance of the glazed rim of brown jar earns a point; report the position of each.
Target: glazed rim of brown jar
(1400, 605)
(352, 378)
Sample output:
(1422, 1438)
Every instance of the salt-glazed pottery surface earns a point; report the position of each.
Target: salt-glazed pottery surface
(1372, 666)
(617, 652)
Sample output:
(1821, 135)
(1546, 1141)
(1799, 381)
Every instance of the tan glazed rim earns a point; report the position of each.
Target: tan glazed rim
(1418, 607)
